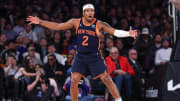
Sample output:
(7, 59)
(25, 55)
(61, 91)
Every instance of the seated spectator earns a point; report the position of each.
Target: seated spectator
(84, 90)
(55, 70)
(109, 44)
(49, 89)
(34, 90)
(19, 25)
(35, 56)
(56, 40)
(138, 80)
(28, 32)
(21, 47)
(41, 88)
(39, 69)
(2, 65)
(121, 48)
(69, 61)
(43, 48)
(1, 84)
(71, 50)
(152, 51)
(11, 35)
(9, 72)
(11, 67)
(27, 69)
(10, 49)
(59, 57)
(163, 54)
(3, 40)
(120, 70)
(142, 45)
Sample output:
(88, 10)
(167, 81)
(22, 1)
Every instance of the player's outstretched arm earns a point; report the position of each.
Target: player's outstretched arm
(116, 32)
(51, 25)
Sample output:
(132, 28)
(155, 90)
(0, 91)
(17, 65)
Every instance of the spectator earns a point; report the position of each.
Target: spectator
(39, 31)
(55, 70)
(57, 41)
(138, 80)
(71, 50)
(142, 45)
(109, 45)
(10, 49)
(43, 48)
(34, 55)
(84, 90)
(1, 84)
(27, 69)
(28, 32)
(120, 46)
(19, 25)
(21, 48)
(9, 72)
(10, 34)
(120, 70)
(65, 44)
(3, 40)
(49, 89)
(163, 54)
(152, 51)
(69, 61)
(34, 90)
(59, 57)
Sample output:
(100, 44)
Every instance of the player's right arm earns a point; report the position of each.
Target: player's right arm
(52, 25)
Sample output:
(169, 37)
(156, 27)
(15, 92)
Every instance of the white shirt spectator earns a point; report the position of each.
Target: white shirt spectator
(18, 29)
(162, 55)
(31, 35)
(11, 72)
(61, 59)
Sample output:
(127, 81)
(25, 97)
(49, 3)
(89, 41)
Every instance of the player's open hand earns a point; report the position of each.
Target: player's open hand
(133, 33)
(33, 20)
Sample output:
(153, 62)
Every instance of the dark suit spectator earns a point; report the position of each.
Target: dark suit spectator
(120, 70)
(152, 51)
(55, 70)
(138, 79)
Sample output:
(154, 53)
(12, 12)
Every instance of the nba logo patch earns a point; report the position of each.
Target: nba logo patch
(93, 26)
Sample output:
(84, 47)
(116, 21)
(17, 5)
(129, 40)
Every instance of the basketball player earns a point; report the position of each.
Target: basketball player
(88, 30)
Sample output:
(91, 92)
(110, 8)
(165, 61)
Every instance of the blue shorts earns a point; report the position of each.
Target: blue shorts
(92, 62)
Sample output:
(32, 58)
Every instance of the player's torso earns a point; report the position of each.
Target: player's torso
(87, 37)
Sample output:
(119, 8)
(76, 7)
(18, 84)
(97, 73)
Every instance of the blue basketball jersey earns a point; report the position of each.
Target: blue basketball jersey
(87, 37)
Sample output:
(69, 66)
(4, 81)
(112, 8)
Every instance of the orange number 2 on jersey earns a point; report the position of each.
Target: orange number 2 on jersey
(84, 43)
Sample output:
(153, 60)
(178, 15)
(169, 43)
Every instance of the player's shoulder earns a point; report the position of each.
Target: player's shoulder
(75, 19)
(102, 23)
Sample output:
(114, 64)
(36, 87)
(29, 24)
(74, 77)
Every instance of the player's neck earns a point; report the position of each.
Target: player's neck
(86, 22)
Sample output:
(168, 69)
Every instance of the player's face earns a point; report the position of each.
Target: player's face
(89, 14)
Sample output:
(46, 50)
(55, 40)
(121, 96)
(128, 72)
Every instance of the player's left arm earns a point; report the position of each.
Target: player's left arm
(116, 32)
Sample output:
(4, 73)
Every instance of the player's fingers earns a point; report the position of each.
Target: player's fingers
(30, 16)
(30, 23)
(130, 28)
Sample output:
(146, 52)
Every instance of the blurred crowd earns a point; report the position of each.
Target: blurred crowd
(35, 62)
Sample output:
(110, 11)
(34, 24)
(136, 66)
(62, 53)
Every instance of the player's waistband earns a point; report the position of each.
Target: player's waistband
(88, 53)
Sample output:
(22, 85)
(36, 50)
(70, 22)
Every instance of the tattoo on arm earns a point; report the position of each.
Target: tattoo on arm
(105, 24)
